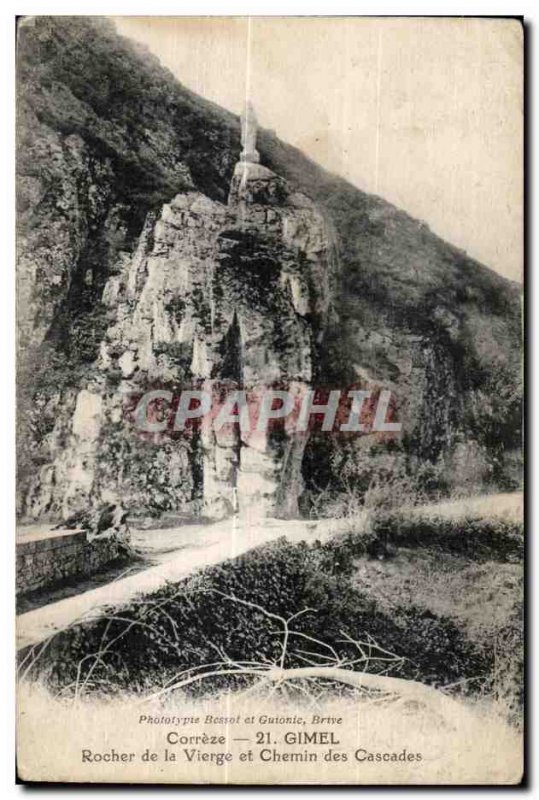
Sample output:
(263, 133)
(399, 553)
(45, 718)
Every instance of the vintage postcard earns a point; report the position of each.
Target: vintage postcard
(270, 475)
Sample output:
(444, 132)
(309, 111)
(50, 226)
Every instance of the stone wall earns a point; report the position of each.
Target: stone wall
(60, 555)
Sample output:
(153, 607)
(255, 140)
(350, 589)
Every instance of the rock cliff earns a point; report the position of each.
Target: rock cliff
(150, 256)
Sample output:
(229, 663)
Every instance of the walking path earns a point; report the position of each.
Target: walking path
(178, 552)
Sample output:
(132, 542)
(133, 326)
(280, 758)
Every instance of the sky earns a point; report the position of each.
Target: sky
(427, 113)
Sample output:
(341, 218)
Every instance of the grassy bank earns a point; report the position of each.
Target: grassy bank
(419, 597)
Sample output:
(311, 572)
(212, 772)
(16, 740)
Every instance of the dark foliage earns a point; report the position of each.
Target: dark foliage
(147, 643)
(479, 539)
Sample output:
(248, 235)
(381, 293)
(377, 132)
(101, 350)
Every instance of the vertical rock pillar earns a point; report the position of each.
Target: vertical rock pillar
(266, 289)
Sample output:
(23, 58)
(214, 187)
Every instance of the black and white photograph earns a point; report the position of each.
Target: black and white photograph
(269, 301)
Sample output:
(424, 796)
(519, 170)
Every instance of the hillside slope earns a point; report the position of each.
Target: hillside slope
(107, 137)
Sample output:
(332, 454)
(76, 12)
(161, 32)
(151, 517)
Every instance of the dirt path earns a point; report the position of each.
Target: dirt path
(506, 506)
(178, 552)
(175, 553)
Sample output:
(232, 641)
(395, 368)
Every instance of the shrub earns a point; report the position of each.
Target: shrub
(480, 539)
(186, 625)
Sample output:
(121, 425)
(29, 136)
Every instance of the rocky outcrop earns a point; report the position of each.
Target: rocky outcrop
(214, 295)
(149, 256)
